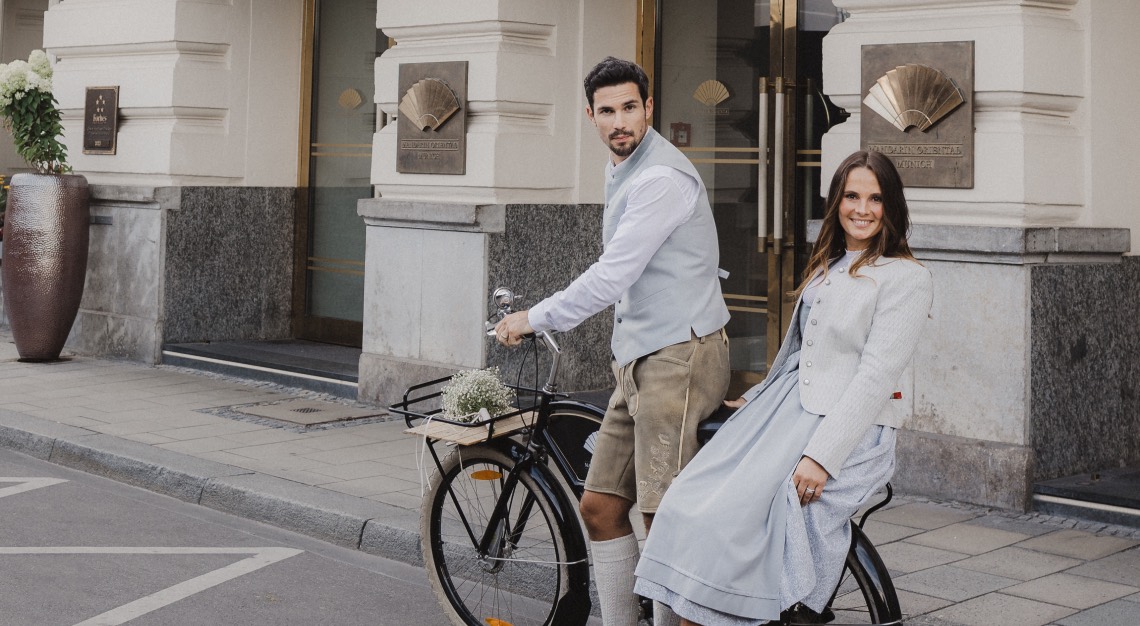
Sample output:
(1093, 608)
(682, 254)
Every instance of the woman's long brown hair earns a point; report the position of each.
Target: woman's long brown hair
(890, 240)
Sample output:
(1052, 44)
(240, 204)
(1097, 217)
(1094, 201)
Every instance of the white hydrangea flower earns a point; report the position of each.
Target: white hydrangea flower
(471, 390)
(40, 63)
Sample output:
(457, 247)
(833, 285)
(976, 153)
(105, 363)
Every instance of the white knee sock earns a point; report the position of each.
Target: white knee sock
(614, 563)
(664, 616)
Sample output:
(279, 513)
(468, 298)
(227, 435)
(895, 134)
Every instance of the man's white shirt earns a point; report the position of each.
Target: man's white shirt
(660, 199)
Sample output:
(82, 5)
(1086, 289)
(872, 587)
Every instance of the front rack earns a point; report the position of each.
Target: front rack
(417, 405)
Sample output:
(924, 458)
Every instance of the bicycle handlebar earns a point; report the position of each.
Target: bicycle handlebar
(503, 300)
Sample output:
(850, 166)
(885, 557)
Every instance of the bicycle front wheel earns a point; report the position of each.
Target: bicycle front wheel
(523, 576)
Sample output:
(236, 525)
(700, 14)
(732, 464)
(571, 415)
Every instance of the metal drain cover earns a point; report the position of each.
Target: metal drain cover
(308, 412)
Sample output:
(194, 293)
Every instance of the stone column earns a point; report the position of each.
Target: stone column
(431, 237)
(204, 173)
(1000, 380)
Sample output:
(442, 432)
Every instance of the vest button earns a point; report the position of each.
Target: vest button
(619, 320)
(807, 382)
(827, 282)
(813, 322)
(810, 342)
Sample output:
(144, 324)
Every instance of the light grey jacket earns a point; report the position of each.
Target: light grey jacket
(859, 338)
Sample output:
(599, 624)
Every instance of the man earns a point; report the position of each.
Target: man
(659, 270)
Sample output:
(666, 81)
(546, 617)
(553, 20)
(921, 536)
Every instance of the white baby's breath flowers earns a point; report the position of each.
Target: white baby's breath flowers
(471, 390)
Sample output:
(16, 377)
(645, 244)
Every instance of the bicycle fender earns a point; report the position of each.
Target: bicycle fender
(872, 563)
(574, 608)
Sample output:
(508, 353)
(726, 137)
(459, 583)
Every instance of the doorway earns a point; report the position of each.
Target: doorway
(737, 88)
(339, 118)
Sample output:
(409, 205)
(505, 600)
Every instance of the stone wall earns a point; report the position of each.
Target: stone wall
(170, 264)
(229, 264)
(542, 249)
(1085, 359)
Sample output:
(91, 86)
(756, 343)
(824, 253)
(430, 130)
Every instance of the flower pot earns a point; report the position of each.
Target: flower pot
(45, 260)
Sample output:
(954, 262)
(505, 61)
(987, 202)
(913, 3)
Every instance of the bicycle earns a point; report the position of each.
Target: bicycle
(501, 539)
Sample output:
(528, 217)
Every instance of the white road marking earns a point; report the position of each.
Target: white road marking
(26, 484)
(259, 558)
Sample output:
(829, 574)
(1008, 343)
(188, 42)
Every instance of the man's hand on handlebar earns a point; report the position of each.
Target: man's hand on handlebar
(511, 329)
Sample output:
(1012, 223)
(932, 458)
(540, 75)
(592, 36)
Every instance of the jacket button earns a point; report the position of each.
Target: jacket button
(813, 322)
(619, 320)
(810, 342)
(827, 281)
(842, 269)
(818, 300)
(807, 382)
(809, 363)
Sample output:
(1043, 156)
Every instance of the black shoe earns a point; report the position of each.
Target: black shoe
(799, 614)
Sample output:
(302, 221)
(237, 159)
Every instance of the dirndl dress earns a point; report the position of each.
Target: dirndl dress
(730, 542)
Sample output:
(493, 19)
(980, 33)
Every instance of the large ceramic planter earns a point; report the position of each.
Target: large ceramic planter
(45, 260)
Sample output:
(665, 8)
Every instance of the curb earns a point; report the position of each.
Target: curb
(372, 527)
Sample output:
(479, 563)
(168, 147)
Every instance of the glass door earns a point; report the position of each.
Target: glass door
(736, 85)
(336, 169)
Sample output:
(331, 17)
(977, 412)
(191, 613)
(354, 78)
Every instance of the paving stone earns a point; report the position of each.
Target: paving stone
(995, 609)
(968, 538)
(1115, 613)
(1026, 525)
(882, 533)
(1072, 591)
(908, 557)
(194, 446)
(352, 471)
(263, 436)
(914, 604)
(1019, 563)
(1078, 544)
(1122, 567)
(952, 583)
(365, 487)
(925, 515)
(1133, 598)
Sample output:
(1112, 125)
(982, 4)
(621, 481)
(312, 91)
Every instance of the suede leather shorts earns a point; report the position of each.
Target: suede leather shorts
(650, 429)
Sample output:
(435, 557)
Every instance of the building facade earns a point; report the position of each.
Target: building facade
(255, 192)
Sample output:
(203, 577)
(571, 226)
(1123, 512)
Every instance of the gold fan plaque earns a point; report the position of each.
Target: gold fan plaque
(918, 110)
(431, 128)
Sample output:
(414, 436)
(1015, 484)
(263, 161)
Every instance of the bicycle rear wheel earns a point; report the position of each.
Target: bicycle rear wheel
(524, 577)
(866, 594)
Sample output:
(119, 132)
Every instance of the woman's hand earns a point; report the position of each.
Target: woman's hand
(809, 479)
(734, 404)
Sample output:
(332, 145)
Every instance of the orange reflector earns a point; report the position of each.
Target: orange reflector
(496, 622)
(489, 475)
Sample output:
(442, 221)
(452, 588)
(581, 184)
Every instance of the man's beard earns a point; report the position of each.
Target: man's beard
(628, 149)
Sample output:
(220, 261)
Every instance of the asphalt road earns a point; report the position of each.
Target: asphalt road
(80, 549)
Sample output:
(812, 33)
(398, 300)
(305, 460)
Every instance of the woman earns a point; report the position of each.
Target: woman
(758, 520)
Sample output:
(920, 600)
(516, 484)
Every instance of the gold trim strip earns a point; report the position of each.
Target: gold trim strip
(323, 259)
(333, 270)
(809, 151)
(358, 155)
(808, 164)
(341, 145)
(747, 309)
(736, 296)
(706, 149)
(728, 161)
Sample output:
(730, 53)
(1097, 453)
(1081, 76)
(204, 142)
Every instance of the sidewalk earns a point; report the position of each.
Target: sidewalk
(178, 432)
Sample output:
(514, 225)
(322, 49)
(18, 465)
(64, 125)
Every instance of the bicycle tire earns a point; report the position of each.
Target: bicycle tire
(873, 599)
(531, 580)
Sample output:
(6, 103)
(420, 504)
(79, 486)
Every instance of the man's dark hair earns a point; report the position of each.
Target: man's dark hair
(613, 71)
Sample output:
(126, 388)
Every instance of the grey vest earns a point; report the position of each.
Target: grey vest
(678, 294)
